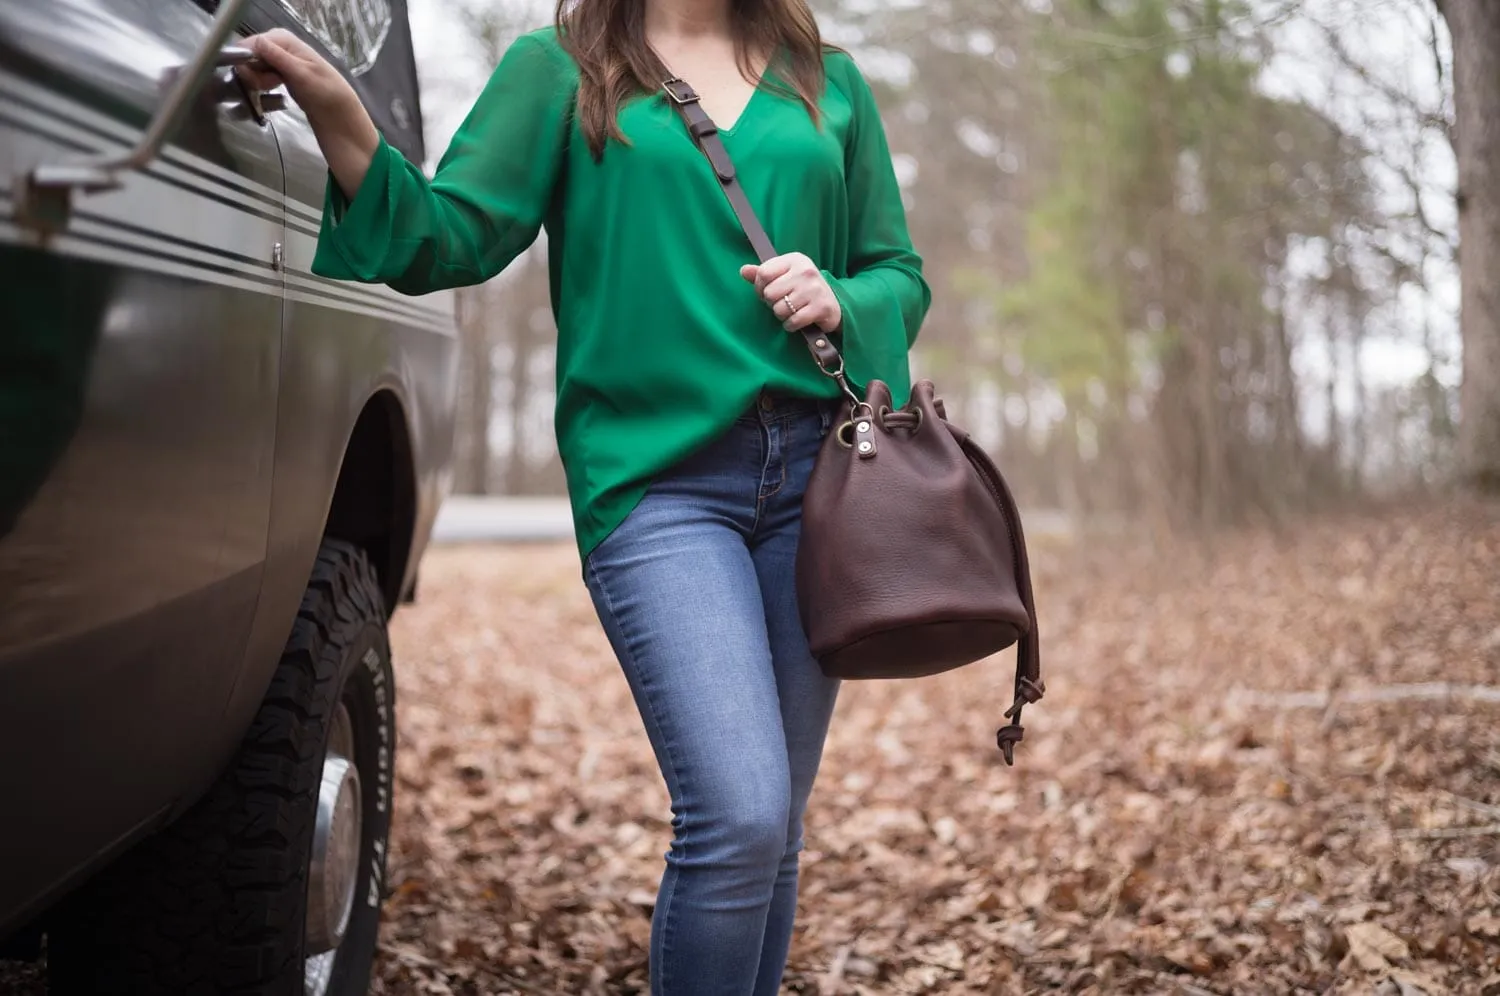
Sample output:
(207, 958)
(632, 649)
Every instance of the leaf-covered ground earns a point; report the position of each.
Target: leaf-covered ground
(1269, 767)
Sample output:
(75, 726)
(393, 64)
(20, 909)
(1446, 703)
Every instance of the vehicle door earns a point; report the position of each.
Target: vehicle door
(139, 361)
(344, 341)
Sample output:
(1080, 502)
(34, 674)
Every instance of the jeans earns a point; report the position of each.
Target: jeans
(695, 591)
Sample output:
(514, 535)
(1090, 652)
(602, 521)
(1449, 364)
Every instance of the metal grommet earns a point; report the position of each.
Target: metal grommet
(845, 435)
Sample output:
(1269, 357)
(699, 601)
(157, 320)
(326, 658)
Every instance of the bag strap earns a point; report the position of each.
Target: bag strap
(706, 134)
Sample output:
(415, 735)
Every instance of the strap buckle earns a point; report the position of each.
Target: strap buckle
(680, 91)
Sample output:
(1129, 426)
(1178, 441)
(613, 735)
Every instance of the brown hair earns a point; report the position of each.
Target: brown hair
(607, 38)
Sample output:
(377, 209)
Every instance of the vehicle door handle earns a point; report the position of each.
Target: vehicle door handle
(234, 55)
(262, 102)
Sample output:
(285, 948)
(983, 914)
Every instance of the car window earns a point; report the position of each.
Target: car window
(354, 30)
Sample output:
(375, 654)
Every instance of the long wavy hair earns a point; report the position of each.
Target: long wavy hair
(607, 38)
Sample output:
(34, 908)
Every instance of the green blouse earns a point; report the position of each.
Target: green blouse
(661, 343)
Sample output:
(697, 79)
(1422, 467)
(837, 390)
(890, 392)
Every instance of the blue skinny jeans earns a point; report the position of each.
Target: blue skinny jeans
(696, 593)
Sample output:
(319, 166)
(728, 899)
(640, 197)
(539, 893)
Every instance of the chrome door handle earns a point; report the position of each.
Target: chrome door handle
(233, 55)
(262, 102)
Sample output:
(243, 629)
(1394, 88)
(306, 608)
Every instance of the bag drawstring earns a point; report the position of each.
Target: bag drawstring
(1029, 685)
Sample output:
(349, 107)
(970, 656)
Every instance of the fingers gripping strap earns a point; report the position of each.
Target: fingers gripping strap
(706, 134)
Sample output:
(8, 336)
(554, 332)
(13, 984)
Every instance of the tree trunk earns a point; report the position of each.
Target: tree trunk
(1359, 422)
(522, 346)
(1475, 27)
(1288, 409)
(523, 300)
(475, 396)
(1335, 454)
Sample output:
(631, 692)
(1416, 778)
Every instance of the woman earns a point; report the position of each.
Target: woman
(687, 419)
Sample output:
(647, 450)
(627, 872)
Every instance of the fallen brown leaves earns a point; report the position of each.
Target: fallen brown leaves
(1162, 832)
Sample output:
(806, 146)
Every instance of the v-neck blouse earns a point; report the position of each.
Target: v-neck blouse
(661, 344)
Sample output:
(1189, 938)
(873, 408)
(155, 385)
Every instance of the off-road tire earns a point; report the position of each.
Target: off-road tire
(216, 903)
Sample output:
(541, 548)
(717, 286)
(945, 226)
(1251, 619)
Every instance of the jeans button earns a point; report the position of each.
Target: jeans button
(766, 403)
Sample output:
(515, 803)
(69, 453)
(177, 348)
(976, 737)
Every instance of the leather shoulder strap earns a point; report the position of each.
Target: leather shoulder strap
(706, 134)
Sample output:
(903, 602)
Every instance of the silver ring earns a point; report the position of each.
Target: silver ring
(790, 307)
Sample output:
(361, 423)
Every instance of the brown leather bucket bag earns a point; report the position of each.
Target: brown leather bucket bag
(912, 560)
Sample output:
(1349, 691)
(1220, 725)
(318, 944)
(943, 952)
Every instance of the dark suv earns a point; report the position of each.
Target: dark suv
(218, 473)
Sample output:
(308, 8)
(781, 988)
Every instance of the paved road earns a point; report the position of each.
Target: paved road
(481, 519)
(486, 518)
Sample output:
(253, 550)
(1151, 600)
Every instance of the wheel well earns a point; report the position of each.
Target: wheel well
(374, 503)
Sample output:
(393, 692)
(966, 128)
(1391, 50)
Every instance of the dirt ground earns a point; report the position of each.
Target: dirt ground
(1268, 767)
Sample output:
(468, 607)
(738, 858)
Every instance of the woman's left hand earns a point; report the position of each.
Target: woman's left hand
(795, 289)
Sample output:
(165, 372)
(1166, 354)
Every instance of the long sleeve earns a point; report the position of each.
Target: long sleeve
(487, 200)
(883, 296)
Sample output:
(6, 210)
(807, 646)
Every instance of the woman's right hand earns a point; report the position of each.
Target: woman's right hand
(345, 132)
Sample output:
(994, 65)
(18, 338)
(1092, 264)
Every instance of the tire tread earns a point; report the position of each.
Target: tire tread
(213, 903)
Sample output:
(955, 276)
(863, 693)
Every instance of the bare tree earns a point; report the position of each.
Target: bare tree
(476, 388)
(504, 350)
(1475, 28)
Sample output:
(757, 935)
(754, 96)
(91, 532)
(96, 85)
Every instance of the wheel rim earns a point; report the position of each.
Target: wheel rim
(334, 871)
